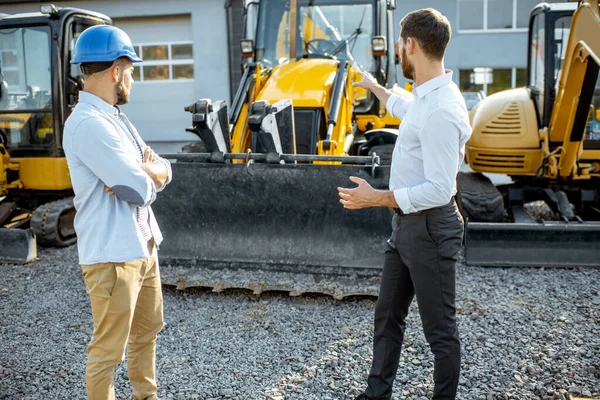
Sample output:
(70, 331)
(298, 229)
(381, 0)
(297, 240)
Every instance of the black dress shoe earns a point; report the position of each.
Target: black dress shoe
(362, 396)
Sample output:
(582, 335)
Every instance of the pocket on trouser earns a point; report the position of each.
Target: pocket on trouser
(393, 239)
(445, 231)
(100, 279)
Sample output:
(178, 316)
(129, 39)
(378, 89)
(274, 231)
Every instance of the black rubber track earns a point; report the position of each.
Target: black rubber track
(45, 220)
(479, 200)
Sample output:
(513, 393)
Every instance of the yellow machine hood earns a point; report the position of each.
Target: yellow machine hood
(306, 82)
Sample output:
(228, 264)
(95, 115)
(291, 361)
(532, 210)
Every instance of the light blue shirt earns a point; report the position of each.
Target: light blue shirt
(99, 145)
(430, 147)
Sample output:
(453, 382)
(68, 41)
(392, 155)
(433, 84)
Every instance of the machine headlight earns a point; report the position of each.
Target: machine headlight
(49, 9)
(247, 47)
(378, 44)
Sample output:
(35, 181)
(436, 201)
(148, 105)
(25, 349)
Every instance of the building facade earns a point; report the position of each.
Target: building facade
(184, 45)
(191, 51)
(488, 50)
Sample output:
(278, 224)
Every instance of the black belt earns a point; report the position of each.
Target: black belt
(401, 213)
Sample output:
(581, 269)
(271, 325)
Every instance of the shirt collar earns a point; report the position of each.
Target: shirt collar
(87, 97)
(425, 88)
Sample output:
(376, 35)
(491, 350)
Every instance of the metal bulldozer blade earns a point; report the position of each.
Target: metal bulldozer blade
(17, 246)
(270, 218)
(553, 244)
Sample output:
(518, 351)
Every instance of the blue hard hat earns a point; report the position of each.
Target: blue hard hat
(103, 43)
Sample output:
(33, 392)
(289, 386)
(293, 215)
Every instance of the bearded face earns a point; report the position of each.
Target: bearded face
(408, 69)
(123, 89)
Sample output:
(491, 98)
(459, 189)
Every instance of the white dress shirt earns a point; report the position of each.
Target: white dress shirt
(431, 144)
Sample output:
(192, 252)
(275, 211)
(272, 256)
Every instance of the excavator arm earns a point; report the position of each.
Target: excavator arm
(575, 92)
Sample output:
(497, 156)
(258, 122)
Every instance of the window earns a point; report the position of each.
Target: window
(491, 80)
(494, 15)
(499, 14)
(164, 62)
(470, 14)
(592, 131)
(562, 28)
(537, 71)
(26, 105)
(77, 29)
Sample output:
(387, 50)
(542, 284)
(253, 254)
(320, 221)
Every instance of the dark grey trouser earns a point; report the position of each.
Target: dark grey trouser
(420, 260)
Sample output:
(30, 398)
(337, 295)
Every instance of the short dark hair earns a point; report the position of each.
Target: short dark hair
(430, 29)
(95, 67)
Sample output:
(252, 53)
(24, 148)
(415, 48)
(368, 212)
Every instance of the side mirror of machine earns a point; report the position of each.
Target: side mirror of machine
(247, 47)
(378, 45)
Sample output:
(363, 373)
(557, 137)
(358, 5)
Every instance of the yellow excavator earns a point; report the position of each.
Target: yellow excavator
(38, 88)
(263, 192)
(545, 137)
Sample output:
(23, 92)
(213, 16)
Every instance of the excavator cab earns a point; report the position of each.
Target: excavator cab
(298, 48)
(38, 89)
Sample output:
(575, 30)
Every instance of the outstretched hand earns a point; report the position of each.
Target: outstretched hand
(368, 82)
(358, 197)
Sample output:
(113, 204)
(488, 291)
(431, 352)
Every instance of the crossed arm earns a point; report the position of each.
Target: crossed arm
(155, 167)
(98, 145)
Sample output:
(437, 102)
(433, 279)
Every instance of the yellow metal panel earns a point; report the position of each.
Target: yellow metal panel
(591, 157)
(44, 173)
(305, 82)
(505, 120)
(504, 161)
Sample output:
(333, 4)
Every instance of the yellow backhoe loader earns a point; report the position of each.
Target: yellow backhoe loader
(263, 193)
(545, 137)
(38, 88)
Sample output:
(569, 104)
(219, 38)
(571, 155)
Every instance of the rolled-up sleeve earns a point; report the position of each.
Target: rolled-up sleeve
(440, 146)
(398, 106)
(99, 147)
(167, 164)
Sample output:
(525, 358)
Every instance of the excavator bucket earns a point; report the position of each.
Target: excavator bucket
(17, 246)
(277, 217)
(552, 244)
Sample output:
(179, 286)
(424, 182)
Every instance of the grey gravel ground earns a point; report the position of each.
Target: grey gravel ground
(526, 334)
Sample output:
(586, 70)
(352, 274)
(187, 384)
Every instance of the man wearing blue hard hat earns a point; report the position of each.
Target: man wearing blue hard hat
(115, 177)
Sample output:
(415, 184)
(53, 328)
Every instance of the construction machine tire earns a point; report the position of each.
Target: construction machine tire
(384, 151)
(52, 223)
(478, 199)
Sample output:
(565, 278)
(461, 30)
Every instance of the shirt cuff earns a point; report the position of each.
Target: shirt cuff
(401, 197)
(390, 104)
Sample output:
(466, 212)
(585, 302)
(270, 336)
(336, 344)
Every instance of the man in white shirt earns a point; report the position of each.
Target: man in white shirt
(116, 177)
(427, 227)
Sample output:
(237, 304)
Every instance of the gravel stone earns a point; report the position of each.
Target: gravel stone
(525, 333)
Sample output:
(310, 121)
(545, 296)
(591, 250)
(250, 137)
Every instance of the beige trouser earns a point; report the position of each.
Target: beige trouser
(127, 309)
